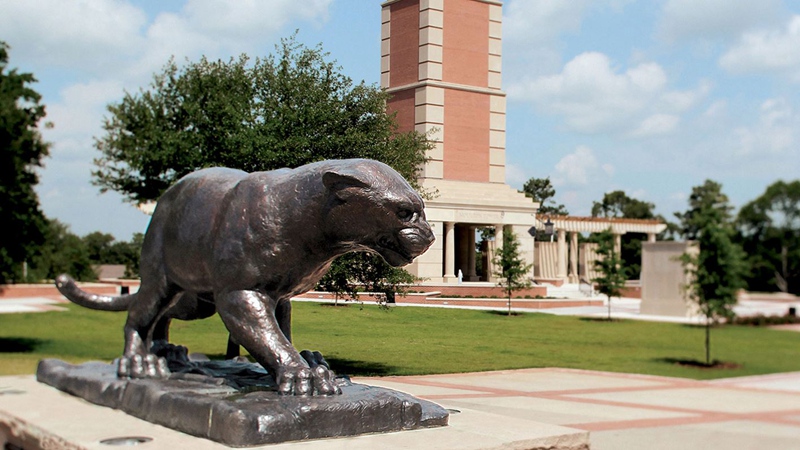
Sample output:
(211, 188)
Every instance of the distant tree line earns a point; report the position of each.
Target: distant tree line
(66, 252)
(765, 231)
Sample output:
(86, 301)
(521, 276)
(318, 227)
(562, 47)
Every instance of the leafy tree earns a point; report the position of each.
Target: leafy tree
(280, 111)
(715, 270)
(612, 274)
(285, 110)
(62, 252)
(617, 204)
(542, 191)
(21, 152)
(99, 247)
(103, 249)
(128, 253)
(704, 200)
(355, 272)
(510, 268)
(769, 230)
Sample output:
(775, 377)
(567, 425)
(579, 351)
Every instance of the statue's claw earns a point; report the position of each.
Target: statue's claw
(138, 366)
(316, 379)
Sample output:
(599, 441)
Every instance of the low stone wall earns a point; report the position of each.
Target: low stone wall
(50, 291)
(498, 302)
(465, 290)
(470, 296)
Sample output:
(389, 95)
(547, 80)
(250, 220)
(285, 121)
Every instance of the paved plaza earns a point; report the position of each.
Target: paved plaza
(563, 408)
(528, 408)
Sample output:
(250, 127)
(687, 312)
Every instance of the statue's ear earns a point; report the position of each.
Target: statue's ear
(337, 182)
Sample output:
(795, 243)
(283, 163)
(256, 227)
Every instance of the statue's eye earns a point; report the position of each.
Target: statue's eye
(405, 214)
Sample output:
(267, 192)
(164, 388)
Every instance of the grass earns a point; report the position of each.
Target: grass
(409, 341)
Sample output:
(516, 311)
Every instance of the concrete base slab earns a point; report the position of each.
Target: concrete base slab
(34, 415)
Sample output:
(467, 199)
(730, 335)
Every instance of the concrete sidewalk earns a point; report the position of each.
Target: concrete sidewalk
(623, 411)
(556, 408)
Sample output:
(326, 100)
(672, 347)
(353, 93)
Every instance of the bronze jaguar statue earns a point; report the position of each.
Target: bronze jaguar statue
(222, 240)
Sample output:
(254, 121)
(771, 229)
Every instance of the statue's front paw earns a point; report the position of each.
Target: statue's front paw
(138, 366)
(307, 381)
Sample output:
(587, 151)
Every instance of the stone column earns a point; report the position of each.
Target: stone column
(449, 252)
(471, 273)
(573, 258)
(651, 237)
(498, 244)
(562, 255)
(618, 245)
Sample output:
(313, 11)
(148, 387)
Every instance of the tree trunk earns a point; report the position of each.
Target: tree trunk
(609, 308)
(708, 342)
(509, 303)
(785, 267)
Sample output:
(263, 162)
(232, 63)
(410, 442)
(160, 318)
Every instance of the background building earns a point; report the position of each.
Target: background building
(441, 62)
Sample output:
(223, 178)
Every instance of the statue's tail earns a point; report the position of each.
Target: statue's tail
(66, 285)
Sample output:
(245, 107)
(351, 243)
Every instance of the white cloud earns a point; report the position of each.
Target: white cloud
(104, 37)
(715, 19)
(541, 21)
(655, 125)
(81, 108)
(593, 96)
(680, 196)
(766, 51)
(774, 134)
(84, 35)
(580, 168)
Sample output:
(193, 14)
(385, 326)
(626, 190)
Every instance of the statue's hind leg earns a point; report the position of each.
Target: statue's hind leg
(137, 361)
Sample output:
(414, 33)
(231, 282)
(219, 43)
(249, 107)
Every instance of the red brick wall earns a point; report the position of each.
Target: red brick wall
(404, 43)
(403, 104)
(466, 136)
(466, 43)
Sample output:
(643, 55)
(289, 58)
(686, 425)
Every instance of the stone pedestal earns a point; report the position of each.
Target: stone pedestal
(663, 278)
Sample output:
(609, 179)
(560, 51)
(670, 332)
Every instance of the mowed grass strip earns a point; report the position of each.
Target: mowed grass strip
(412, 341)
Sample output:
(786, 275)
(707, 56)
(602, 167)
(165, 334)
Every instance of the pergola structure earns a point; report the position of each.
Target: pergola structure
(562, 264)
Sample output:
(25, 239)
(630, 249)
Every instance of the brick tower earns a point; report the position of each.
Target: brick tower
(441, 61)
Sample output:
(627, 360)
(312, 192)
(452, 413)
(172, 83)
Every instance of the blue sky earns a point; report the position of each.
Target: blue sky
(650, 97)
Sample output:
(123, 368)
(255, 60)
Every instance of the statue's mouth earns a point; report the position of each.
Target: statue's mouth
(402, 255)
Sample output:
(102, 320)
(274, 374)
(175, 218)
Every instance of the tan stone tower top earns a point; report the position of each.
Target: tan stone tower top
(441, 61)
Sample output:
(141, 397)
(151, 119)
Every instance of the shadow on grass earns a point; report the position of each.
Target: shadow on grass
(693, 363)
(20, 345)
(344, 366)
(599, 319)
(503, 313)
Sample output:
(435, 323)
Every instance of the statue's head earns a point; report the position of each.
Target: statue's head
(375, 209)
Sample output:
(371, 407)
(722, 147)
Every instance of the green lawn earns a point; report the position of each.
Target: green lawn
(410, 340)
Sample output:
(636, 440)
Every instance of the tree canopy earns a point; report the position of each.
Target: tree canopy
(510, 268)
(705, 203)
(612, 275)
(617, 204)
(717, 267)
(288, 109)
(769, 230)
(21, 152)
(541, 190)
